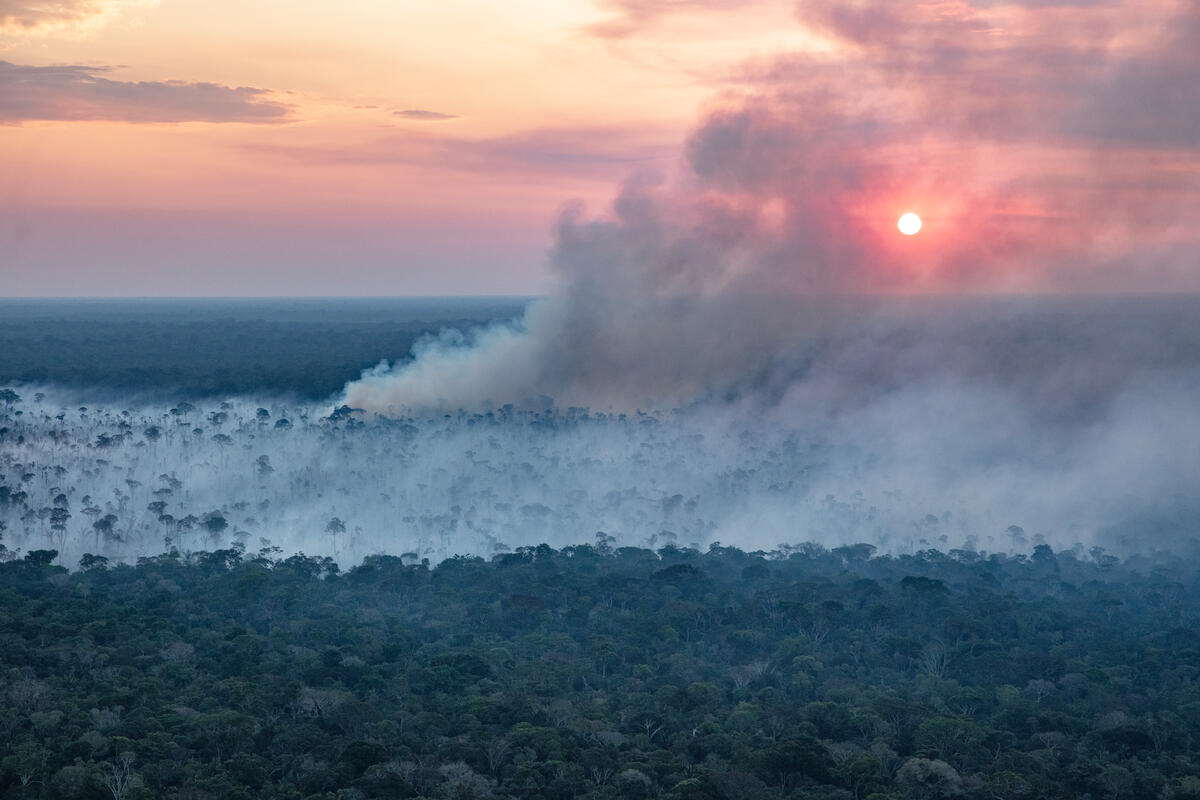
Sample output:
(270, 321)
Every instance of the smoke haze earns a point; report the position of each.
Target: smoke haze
(930, 387)
(1009, 128)
(749, 351)
(987, 423)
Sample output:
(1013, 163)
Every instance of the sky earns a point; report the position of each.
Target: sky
(173, 147)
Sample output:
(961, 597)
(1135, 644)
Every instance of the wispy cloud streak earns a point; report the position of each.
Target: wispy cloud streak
(84, 93)
(421, 115)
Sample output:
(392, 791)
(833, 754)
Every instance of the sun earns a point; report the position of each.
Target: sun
(909, 224)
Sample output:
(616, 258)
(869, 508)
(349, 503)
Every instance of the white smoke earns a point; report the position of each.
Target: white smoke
(940, 424)
(647, 314)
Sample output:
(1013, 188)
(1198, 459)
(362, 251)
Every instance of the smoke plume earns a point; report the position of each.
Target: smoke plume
(1010, 128)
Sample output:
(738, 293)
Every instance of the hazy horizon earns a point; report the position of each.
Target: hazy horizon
(925, 422)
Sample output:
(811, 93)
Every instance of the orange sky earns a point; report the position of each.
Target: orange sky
(414, 148)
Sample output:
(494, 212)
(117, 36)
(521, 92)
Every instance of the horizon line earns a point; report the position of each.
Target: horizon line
(1060, 293)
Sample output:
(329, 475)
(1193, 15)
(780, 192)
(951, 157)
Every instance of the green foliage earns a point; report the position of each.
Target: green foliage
(601, 674)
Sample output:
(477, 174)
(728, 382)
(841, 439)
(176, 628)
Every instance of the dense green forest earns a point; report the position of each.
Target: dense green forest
(593, 673)
(217, 347)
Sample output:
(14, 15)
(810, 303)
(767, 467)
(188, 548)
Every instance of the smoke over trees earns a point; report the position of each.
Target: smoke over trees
(996, 425)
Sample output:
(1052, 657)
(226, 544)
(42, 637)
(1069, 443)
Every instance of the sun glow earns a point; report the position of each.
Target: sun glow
(909, 224)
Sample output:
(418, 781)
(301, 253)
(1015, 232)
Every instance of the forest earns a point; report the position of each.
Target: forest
(204, 347)
(600, 672)
(219, 580)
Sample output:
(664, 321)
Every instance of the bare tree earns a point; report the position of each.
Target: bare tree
(650, 726)
(601, 775)
(1039, 689)
(815, 631)
(497, 754)
(118, 777)
(932, 660)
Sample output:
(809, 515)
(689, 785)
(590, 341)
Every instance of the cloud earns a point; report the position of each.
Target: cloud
(1149, 99)
(1122, 72)
(1045, 138)
(83, 93)
(559, 149)
(595, 152)
(422, 115)
(30, 17)
(633, 16)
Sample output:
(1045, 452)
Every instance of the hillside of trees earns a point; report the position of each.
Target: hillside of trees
(595, 673)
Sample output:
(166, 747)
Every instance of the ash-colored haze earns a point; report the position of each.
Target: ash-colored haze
(928, 424)
(1049, 147)
(766, 293)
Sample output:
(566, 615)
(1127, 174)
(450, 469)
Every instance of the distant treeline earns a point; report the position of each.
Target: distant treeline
(196, 348)
(593, 673)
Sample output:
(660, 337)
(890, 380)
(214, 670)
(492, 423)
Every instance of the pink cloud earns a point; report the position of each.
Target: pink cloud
(84, 93)
(1035, 138)
(546, 152)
